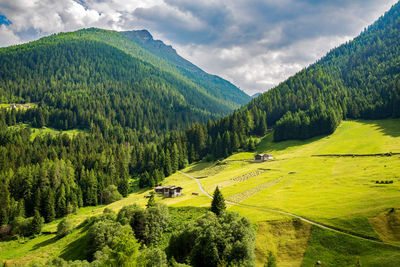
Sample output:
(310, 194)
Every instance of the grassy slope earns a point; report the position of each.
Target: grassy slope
(336, 191)
(43, 131)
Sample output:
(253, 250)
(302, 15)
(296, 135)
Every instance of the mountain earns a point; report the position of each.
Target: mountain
(358, 80)
(99, 77)
(256, 95)
(214, 85)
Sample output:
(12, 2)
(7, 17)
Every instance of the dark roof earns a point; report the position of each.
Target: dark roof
(168, 186)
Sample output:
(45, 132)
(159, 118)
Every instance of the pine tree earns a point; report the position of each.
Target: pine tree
(61, 207)
(37, 223)
(49, 207)
(5, 199)
(167, 164)
(152, 201)
(218, 203)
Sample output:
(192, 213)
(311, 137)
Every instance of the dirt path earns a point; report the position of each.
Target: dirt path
(321, 225)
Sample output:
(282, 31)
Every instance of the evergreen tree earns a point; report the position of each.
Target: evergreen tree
(271, 260)
(37, 223)
(218, 203)
(152, 201)
(61, 205)
(49, 207)
(5, 202)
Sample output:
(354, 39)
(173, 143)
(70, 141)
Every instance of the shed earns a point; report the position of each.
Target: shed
(169, 190)
(263, 157)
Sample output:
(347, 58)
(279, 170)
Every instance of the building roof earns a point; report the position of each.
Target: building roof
(263, 155)
(168, 186)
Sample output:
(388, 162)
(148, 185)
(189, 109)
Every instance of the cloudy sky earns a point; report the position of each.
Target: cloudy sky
(253, 43)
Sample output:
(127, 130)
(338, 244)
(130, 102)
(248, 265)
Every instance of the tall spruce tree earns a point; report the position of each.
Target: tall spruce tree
(218, 203)
(37, 223)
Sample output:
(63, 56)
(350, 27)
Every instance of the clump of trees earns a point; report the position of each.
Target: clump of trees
(154, 236)
(214, 241)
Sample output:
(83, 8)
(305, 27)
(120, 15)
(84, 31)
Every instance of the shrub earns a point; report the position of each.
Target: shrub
(271, 260)
(64, 228)
(102, 233)
(212, 239)
(156, 222)
(110, 194)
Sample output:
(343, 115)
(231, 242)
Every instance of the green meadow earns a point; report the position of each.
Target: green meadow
(337, 191)
(45, 130)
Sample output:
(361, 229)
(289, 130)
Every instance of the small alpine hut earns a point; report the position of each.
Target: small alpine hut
(262, 157)
(169, 190)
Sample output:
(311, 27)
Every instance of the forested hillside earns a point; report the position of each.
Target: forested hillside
(360, 79)
(122, 98)
(214, 85)
(100, 77)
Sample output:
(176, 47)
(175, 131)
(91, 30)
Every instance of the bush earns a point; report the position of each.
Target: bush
(110, 194)
(135, 217)
(149, 224)
(154, 257)
(102, 233)
(156, 222)
(64, 228)
(212, 239)
(271, 260)
(27, 227)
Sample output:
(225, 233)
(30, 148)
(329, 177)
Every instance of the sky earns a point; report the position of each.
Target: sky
(255, 44)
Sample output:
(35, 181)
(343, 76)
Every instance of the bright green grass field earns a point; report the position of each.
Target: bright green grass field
(337, 191)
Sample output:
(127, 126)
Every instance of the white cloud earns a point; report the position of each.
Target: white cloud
(7, 36)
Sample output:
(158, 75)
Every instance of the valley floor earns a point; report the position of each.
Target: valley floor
(358, 194)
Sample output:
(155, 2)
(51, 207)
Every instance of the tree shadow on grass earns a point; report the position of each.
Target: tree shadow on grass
(200, 166)
(77, 250)
(45, 243)
(134, 187)
(268, 144)
(389, 127)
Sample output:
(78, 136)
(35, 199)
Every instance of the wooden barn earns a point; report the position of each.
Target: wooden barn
(262, 157)
(169, 190)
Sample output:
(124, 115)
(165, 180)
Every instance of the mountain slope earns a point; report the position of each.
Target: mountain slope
(359, 79)
(101, 76)
(215, 85)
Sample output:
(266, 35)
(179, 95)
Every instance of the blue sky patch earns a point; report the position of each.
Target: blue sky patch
(4, 20)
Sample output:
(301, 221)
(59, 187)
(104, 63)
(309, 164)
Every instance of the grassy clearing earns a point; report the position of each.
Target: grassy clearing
(286, 239)
(20, 106)
(338, 191)
(44, 131)
(335, 249)
(387, 225)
